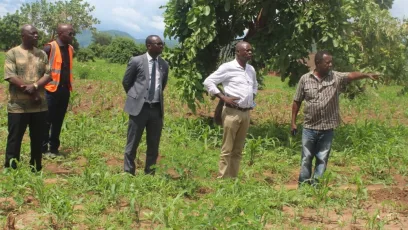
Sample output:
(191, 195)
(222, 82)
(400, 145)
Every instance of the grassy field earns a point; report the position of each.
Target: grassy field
(365, 186)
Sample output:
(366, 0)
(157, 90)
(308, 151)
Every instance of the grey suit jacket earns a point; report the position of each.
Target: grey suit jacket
(136, 83)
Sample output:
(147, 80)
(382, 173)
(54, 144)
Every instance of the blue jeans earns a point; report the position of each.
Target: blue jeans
(315, 143)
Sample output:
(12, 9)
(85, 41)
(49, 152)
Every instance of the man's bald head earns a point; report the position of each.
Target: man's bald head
(26, 28)
(65, 33)
(240, 45)
(243, 52)
(63, 27)
(29, 35)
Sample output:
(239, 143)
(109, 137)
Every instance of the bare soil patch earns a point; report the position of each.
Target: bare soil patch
(113, 161)
(56, 168)
(7, 203)
(391, 194)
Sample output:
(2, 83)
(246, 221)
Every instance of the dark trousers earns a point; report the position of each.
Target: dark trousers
(57, 107)
(17, 124)
(151, 119)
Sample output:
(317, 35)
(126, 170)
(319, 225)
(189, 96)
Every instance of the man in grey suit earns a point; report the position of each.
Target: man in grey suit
(144, 81)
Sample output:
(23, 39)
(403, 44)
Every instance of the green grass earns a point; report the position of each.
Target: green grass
(87, 189)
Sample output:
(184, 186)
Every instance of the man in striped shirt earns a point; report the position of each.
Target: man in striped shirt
(320, 89)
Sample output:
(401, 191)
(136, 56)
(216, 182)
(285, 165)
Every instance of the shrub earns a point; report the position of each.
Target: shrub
(121, 49)
(85, 55)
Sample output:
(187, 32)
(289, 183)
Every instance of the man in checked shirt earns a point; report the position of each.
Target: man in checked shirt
(320, 89)
(239, 81)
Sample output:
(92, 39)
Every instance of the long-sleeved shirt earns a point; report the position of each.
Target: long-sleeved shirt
(237, 82)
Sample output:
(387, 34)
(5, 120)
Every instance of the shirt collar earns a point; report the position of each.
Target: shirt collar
(237, 64)
(321, 79)
(149, 58)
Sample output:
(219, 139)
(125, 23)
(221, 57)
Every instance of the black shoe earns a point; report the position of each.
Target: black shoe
(44, 149)
(54, 151)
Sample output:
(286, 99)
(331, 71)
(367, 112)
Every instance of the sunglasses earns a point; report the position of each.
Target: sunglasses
(158, 43)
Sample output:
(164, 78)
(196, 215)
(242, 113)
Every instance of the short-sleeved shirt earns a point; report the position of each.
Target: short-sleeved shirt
(29, 66)
(321, 96)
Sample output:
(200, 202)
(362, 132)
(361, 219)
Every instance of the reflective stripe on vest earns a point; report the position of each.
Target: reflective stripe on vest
(55, 64)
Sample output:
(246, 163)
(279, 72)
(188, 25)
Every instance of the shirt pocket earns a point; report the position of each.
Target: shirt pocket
(311, 93)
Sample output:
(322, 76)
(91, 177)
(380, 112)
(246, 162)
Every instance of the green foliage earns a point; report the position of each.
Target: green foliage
(98, 50)
(385, 4)
(87, 188)
(85, 55)
(10, 35)
(202, 28)
(101, 38)
(121, 49)
(100, 42)
(282, 33)
(47, 15)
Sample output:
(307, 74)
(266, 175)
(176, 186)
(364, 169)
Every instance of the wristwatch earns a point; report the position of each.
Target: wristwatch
(35, 85)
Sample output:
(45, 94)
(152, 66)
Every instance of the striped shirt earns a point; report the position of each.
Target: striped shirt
(321, 98)
(29, 66)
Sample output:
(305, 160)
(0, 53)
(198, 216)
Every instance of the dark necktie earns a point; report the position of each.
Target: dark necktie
(152, 81)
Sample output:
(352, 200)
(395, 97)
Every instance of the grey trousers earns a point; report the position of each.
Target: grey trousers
(151, 119)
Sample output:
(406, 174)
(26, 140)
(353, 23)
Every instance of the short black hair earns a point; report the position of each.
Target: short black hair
(149, 38)
(319, 56)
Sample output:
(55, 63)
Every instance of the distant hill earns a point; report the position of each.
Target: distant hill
(85, 38)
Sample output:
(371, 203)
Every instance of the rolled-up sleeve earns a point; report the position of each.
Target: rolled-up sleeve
(342, 78)
(10, 66)
(255, 85)
(211, 82)
(300, 93)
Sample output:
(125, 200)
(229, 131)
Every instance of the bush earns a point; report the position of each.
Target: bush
(121, 49)
(85, 55)
(99, 50)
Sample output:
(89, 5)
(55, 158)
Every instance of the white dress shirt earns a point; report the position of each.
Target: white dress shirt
(237, 82)
(158, 81)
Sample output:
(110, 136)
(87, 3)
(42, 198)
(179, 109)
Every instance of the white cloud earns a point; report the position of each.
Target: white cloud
(158, 22)
(9, 6)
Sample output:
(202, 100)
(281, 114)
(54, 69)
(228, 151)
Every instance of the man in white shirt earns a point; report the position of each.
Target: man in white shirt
(239, 82)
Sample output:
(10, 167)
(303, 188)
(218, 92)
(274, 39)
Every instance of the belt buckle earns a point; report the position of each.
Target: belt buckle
(151, 105)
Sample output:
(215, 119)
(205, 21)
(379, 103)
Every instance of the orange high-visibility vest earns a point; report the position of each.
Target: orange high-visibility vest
(55, 64)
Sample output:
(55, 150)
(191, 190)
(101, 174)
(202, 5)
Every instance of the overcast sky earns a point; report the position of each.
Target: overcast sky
(143, 17)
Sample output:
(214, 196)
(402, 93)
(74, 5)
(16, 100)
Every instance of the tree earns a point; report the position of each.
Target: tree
(101, 38)
(47, 15)
(85, 55)
(122, 49)
(10, 35)
(282, 33)
(100, 42)
(385, 4)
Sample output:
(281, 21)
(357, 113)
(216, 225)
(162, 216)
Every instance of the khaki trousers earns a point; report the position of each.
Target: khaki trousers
(235, 124)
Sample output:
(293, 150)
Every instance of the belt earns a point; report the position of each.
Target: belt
(238, 108)
(152, 105)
